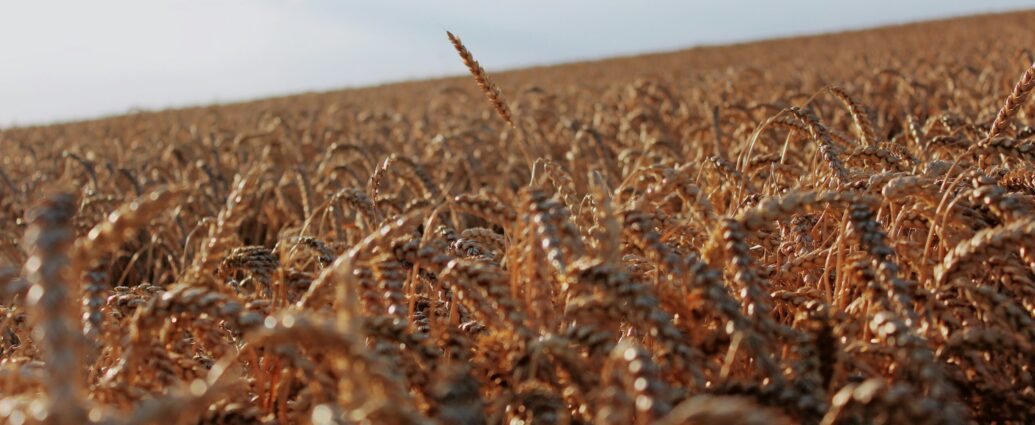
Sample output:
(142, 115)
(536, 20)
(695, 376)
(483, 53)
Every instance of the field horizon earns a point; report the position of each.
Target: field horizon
(502, 74)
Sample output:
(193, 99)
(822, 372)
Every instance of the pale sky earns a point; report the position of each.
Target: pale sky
(71, 59)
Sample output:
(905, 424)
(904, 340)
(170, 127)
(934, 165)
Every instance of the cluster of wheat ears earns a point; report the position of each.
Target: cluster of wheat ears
(737, 244)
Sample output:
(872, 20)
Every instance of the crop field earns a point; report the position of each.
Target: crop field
(834, 229)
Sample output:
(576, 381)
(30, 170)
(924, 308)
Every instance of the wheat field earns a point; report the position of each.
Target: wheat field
(834, 229)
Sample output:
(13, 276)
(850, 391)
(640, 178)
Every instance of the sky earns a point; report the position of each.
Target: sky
(64, 60)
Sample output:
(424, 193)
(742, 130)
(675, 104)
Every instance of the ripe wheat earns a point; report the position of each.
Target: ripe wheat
(824, 230)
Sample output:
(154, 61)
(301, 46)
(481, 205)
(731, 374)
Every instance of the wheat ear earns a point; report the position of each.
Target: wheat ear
(491, 91)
